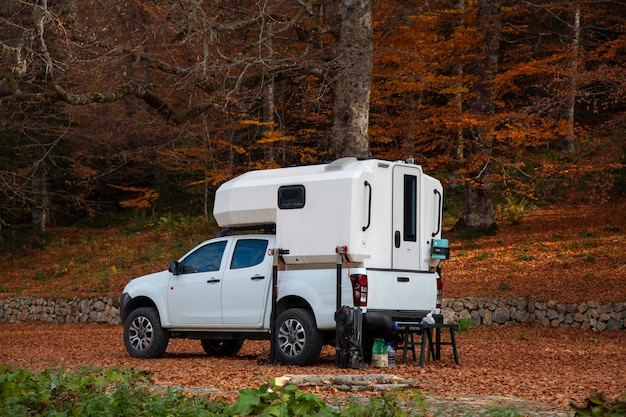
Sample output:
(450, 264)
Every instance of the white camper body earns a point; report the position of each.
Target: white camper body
(388, 214)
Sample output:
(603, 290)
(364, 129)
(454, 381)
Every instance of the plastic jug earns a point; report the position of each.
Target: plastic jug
(391, 355)
(428, 319)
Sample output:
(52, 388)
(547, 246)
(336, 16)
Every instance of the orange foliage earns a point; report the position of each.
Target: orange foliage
(145, 200)
(424, 76)
(425, 71)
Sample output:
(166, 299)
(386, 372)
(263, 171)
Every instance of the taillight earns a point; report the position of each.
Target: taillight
(359, 289)
(439, 292)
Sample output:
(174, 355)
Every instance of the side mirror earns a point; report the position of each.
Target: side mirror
(172, 267)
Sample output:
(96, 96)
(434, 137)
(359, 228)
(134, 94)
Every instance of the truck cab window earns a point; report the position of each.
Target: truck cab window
(205, 259)
(248, 252)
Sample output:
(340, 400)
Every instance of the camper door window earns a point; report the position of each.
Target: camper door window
(291, 197)
(410, 208)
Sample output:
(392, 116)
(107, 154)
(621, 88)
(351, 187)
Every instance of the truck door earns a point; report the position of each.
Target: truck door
(247, 279)
(405, 214)
(194, 295)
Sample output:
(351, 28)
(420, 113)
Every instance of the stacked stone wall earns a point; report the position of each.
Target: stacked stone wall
(104, 310)
(482, 311)
(508, 311)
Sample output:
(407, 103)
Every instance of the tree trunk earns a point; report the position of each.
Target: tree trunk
(351, 100)
(478, 212)
(458, 97)
(268, 111)
(41, 201)
(566, 139)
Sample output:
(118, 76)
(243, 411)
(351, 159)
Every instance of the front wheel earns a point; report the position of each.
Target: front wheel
(221, 347)
(298, 340)
(143, 335)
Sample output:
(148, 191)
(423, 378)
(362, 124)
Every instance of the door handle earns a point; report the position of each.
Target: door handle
(397, 239)
(369, 207)
(257, 277)
(212, 281)
(439, 213)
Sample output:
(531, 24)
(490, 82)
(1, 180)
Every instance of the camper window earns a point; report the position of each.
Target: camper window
(410, 208)
(291, 197)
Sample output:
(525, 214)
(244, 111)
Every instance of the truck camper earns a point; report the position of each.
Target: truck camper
(365, 233)
(386, 213)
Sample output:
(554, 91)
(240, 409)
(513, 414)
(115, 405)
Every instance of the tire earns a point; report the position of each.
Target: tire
(221, 347)
(298, 340)
(143, 335)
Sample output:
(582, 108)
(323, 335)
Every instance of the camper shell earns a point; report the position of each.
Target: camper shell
(386, 213)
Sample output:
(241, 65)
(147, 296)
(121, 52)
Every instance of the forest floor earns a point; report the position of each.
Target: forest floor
(566, 254)
(525, 366)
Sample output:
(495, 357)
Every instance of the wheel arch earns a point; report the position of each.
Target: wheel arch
(135, 303)
(293, 301)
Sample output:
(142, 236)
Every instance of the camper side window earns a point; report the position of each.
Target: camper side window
(291, 197)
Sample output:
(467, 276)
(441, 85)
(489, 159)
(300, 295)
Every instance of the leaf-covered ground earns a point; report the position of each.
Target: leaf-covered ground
(553, 365)
(565, 254)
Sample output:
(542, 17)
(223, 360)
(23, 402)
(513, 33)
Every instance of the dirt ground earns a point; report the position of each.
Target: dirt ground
(540, 364)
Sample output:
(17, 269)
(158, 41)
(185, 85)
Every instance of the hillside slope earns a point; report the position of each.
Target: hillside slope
(566, 254)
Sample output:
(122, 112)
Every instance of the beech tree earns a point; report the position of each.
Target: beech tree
(478, 210)
(351, 95)
(565, 142)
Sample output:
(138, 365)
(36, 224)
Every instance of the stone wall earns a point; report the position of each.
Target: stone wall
(483, 311)
(507, 311)
(104, 310)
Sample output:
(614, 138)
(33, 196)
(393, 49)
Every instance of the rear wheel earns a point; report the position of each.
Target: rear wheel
(298, 340)
(221, 347)
(143, 335)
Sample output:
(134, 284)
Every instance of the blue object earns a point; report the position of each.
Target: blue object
(440, 249)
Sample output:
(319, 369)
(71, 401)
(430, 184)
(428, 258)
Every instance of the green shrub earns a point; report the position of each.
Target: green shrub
(393, 403)
(513, 209)
(465, 323)
(269, 400)
(92, 391)
(525, 257)
(597, 406)
(40, 275)
(125, 392)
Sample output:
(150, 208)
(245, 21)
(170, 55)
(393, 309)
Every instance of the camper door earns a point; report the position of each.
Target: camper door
(405, 214)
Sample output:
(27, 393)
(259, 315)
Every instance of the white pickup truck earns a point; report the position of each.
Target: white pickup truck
(384, 219)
